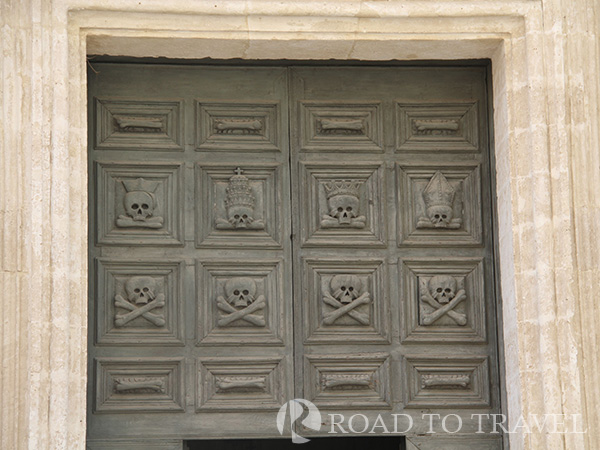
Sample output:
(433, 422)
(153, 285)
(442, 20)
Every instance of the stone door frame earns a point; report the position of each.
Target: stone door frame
(534, 187)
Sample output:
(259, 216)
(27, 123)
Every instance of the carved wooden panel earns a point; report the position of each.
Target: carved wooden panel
(437, 126)
(341, 127)
(248, 383)
(237, 126)
(447, 382)
(439, 205)
(139, 203)
(138, 444)
(343, 203)
(139, 125)
(443, 300)
(240, 302)
(238, 206)
(139, 302)
(454, 442)
(348, 382)
(346, 301)
(139, 384)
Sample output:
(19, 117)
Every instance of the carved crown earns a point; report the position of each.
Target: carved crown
(438, 191)
(140, 185)
(239, 192)
(342, 187)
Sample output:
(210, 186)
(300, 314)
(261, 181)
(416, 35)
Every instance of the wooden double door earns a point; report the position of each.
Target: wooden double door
(259, 234)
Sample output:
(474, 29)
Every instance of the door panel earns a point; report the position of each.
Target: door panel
(391, 167)
(191, 299)
(265, 233)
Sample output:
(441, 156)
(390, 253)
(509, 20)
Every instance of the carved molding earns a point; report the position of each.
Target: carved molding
(433, 127)
(138, 125)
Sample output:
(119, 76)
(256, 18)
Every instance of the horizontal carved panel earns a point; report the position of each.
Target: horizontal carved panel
(138, 204)
(138, 125)
(437, 126)
(447, 382)
(340, 127)
(343, 204)
(454, 442)
(348, 382)
(346, 302)
(240, 302)
(139, 384)
(249, 384)
(139, 302)
(439, 205)
(238, 206)
(443, 300)
(238, 127)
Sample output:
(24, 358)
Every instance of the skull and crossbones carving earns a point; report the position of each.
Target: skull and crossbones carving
(440, 294)
(344, 296)
(241, 302)
(140, 205)
(142, 297)
(343, 200)
(439, 198)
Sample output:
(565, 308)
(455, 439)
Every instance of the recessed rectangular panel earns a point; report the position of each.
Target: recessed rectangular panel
(139, 302)
(138, 125)
(447, 382)
(437, 127)
(238, 205)
(240, 303)
(346, 302)
(340, 127)
(245, 383)
(348, 382)
(139, 384)
(342, 205)
(237, 127)
(439, 205)
(139, 203)
(443, 300)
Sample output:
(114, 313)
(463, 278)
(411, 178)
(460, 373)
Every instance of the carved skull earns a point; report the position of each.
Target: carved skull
(442, 288)
(139, 205)
(240, 291)
(344, 208)
(440, 215)
(141, 289)
(345, 288)
(240, 216)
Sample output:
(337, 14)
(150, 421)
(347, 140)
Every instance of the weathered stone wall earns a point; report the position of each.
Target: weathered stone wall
(546, 73)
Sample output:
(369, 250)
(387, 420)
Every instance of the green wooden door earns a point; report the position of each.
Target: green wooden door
(264, 233)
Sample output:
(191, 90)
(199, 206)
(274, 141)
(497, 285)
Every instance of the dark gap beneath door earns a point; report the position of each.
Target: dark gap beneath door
(332, 443)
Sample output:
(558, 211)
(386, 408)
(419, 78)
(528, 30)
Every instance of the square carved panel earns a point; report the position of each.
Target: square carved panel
(437, 126)
(240, 302)
(340, 127)
(138, 125)
(447, 382)
(139, 302)
(139, 204)
(238, 206)
(343, 204)
(347, 302)
(240, 384)
(237, 126)
(439, 205)
(348, 382)
(139, 384)
(443, 300)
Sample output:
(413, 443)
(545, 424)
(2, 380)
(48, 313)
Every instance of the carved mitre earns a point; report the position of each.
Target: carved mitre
(342, 187)
(438, 192)
(140, 185)
(239, 192)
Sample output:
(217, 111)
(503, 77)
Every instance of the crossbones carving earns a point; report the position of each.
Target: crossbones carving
(345, 299)
(441, 295)
(140, 291)
(241, 302)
